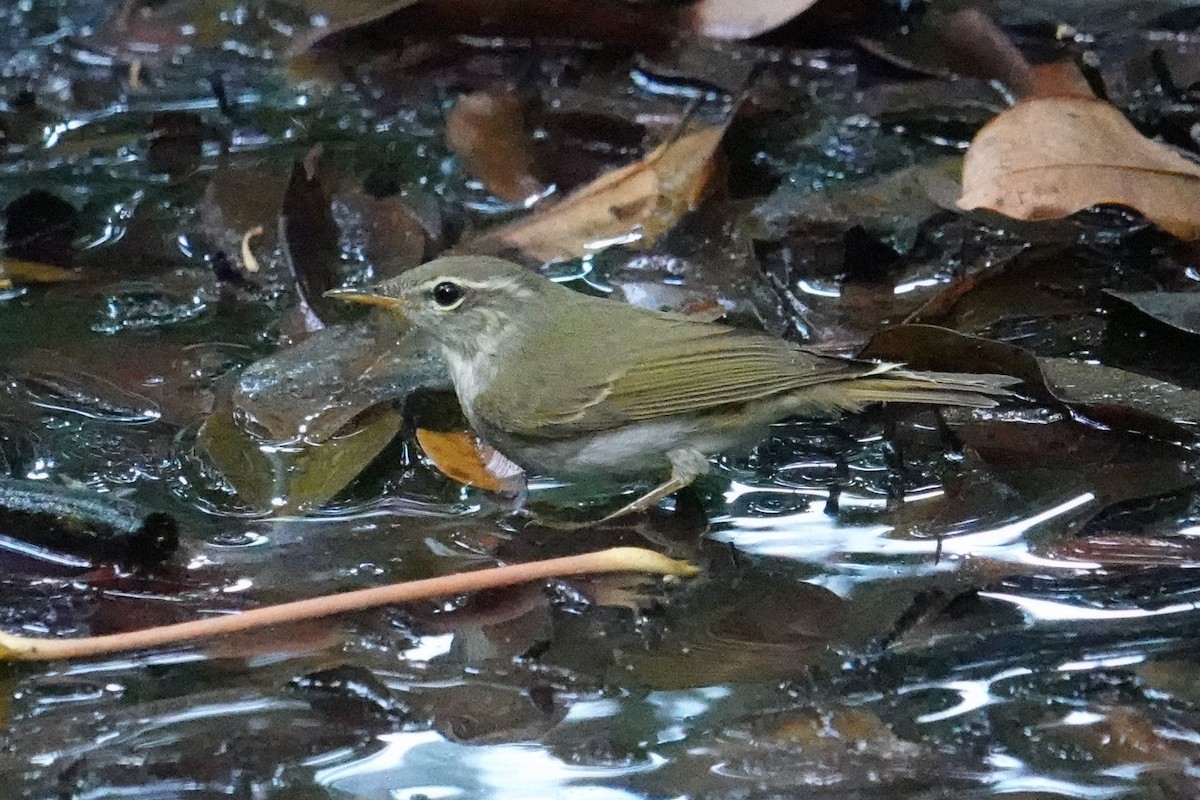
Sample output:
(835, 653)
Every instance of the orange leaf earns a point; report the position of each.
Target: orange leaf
(635, 202)
(1046, 158)
(460, 455)
(488, 133)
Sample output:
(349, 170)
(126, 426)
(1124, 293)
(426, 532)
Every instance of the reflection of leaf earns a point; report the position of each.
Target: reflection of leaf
(17, 271)
(462, 456)
(728, 638)
(636, 202)
(295, 479)
(1180, 310)
(1049, 157)
(1066, 459)
(744, 19)
(487, 131)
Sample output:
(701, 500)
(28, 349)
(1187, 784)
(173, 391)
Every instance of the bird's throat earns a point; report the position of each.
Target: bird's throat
(471, 374)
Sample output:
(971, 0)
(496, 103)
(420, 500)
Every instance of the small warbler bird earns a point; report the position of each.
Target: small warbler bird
(576, 387)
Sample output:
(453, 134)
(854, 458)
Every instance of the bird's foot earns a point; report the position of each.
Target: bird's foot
(686, 466)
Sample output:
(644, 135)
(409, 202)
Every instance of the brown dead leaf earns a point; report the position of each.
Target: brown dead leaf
(1046, 158)
(461, 456)
(341, 16)
(1058, 79)
(636, 25)
(636, 202)
(744, 19)
(487, 131)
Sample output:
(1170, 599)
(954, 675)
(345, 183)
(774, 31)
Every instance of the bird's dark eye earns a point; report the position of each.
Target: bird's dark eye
(447, 293)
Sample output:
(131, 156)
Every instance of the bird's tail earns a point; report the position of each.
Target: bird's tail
(939, 388)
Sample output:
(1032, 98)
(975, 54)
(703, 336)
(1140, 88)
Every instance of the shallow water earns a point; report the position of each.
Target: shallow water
(898, 604)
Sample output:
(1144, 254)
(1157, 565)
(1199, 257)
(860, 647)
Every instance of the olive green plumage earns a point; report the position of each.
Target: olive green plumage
(571, 385)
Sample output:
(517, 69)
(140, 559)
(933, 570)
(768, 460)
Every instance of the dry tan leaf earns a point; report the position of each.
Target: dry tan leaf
(460, 455)
(744, 19)
(636, 202)
(1046, 158)
(487, 131)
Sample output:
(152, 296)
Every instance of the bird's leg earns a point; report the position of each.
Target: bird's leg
(686, 466)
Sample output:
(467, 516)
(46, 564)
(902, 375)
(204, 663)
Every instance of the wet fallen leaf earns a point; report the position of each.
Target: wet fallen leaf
(295, 479)
(944, 350)
(487, 131)
(310, 238)
(611, 21)
(342, 15)
(54, 380)
(463, 456)
(1095, 384)
(637, 202)
(1076, 469)
(1180, 310)
(1122, 735)
(966, 42)
(726, 639)
(744, 19)
(892, 206)
(312, 389)
(392, 233)
(1046, 158)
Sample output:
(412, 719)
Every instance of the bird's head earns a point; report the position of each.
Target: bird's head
(468, 303)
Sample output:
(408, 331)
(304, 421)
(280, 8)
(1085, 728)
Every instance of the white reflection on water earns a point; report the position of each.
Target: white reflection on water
(418, 763)
(1040, 610)
(813, 534)
(973, 694)
(1012, 776)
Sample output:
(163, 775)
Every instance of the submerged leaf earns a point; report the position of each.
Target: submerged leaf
(296, 478)
(487, 131)
(1046, 158)
(1180, 310)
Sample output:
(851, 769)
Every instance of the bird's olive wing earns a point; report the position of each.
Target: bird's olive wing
(645, 367)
